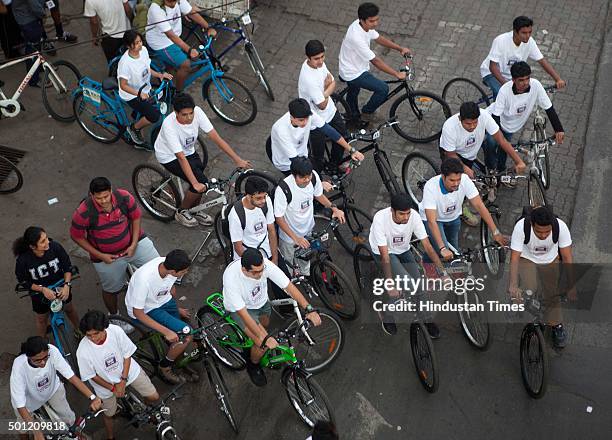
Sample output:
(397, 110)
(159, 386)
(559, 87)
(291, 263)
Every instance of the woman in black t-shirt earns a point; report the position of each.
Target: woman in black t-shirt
(42, 262)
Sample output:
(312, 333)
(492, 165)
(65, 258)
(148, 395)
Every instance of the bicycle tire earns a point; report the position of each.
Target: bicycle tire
(387, 175)
(221, 392)
(57, 99)
(419, 100)
(110, 128)
(361, 258)
(460, 90)
(355, 230)
(494, 257)
(224, 242)
(170, 434)
(239, 189)
(533, 343)
(13, 180)
(474, 324)
(422, 349)
(421, 166)
(66, 340)
(245, 103)
(296, 379)
(335, 289)
(144, 186)
(535, 191)
(543, 161)
(218, 330)
(258, 68)
(146, 354)
(343, 107)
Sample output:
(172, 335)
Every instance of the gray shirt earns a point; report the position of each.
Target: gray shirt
(27, 11)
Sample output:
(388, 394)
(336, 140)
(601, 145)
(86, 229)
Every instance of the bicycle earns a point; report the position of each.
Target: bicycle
(59, 80)
(63, 335)
(11, 179)
(460, 90)
(45, 416)
(421, 113)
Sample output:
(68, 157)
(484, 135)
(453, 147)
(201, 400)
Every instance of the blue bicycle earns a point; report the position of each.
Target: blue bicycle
(63, 334)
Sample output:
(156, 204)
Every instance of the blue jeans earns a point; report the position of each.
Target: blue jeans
(493, 84)
(495, 156)
(369, 82)
(401, 264)
(32, 34)
(450, 235)
(168, 316)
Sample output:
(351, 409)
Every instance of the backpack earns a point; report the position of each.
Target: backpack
(240, 211)
(142, 11)
(526, 214)
(287, 191)
(92, 212)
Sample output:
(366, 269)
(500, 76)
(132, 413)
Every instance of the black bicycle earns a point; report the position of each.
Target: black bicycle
(11, 179)
(460, 90)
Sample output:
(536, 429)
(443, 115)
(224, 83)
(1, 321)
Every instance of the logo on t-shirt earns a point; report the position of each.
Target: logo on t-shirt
(470, 141)
(511, 61)
(162, 293)
(255, 291)
(189, 142)
(305, 204)
(450, 209)
(521, 109)
(145, 72)
(398, 239)
(43, 383)
(258, 226)
(540, 249)
(110, 362)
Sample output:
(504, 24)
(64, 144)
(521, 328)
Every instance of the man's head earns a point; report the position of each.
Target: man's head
(451, 170)
(299, 112)
(468, 115)
(315, 52)
(368, 16)
(522, 27)
(542, 220)
(400, 208)
(301, 169)
(36, 350)
(252, 263)
(256, 191)
(183, 107)
(177, 263)
(132, 40)
(324, 430)
(170, 3)
(93, 325)
(521, 74)
(101, 191)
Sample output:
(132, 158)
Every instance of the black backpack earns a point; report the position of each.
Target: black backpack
(287, 191)
(240, 211)
(526, 214)
(92, 212)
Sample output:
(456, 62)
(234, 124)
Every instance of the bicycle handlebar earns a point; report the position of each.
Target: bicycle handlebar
(284, 335)
(373, 135)
(26, 286)
(549, 140)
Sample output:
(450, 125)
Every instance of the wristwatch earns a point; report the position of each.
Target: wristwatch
(496, 232)
(124, 379)
(69, 283)
(309, 308)
(352, 150)
(333, 206)
(93, 397)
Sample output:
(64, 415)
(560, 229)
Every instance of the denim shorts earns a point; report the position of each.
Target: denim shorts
(168, 316)
(171, 55)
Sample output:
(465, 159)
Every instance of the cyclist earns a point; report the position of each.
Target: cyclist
(29, 15)
(42, 262)
(509, 48)
(245, 296)
(113, 16)
(107, 225)
(150, 299)
(443, 196)
(537, 250)
(291, 133)
(355, 59)
(35, 382)
(133, 72)
(164, 28)
(175, 150)
(294, 209)
(511, 110)
(105, 359)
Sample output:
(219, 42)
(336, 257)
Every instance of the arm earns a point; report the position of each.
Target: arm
(140, 315)
(197, 17)
(273, 243)
(225, 147)
(507, 147)
(300, 241)
(330, 87)
(123, 83)
(477, 203)
(429, 250)
(515, 257)
(494, 68)
(295, 293)
(548, 68)
(556, 123)
(239, 248)
(387, 270)
(336, 213)
(568, 263)
(467, 170)
(87, 246)
(436, 236)
(128, 10)
(391, 45)
(119, 389)
(200, 187)
(84, 390)
(384, 67)
(333, 134)
(135, 237)
(95, 28)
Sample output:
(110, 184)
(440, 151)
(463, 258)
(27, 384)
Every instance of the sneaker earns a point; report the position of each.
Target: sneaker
(185, 218)
(125, 326)
(135, 135)
(170, 376)
(68, 37)
(203, 218)
(468, 217)
(389, 328)
(256, 374)
(433, 330)
(559, 336)
(48, 48)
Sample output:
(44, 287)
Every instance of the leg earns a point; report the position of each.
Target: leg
(110, 405)
(32, 33)
(493, 84)
(379, 88)
(549, 274)
(352, 97)
(317, 149)
(42, 321)
(181, 74)
(72, 314)
(288, 251)
(426, 258)
(113, 279)
(451, 232)
(501, 154)
(489, 147)
(168, 316)
(528, 276)
(337, 152)
(60, 405)
(110, 47)
(143, 386)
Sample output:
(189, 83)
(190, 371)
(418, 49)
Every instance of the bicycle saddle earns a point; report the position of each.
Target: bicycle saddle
(110, 84)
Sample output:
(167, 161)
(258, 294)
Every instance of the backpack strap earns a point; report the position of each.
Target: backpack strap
(92, 211)
(286, 190)
(527, 229)
(239, 208)
(314, 180)
(555, 231)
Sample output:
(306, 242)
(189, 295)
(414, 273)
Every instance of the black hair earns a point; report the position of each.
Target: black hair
(129, 37)
(299, 108)
(520, 69)
(469, 110)
(177, 260)
(451, 165)
(99, 184)
(183, 101)
(314, 47)
(367, 10)
(520, 22)
(542, 216)
(254, 185)
(301, 166)
(93, 320)
(251, 257)
(34, 345)
(324, 430)
(401, 202)
(29, 238)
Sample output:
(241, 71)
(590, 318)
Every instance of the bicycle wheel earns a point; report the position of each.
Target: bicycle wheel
(495, 256)
(421, 116)
(156, 191)
(424, 356)
(170, 434)
(146, 352)
(542, 162)
(319, 346)
(65, 334)
(355, 230)
(57, 88)
(11, 179)
(258, 68)
(242, 178)
(460, 90)
(226, 245)
(335, 289)
(221, 334)
(474, 323)
(343, 107)
(230, 99)
(365, 267)
(534, 361)
(535, 191)
(217, 383)
(386, 173)
(100, 122)
(307, 397)
(417, 169)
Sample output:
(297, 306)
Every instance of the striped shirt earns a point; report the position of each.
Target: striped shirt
(113, 233)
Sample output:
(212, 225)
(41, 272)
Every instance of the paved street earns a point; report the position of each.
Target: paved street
(373, 386)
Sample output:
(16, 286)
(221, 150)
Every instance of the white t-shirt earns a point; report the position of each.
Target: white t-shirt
(385, 232)
(355, 52)
(167, 19)
(175, 137)
(240, 291)
(33, 387)
(539, 251)
(505, 53)
(514, 110)
(447, 204)
(299, 214)
(106, 360)
(289, 141)
(137, 72)
(311, 86)
(255, 230)
(466, 144)
(111, 16)
(147, 290)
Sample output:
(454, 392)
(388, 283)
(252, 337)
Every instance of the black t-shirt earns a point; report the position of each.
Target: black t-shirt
(45, 270)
